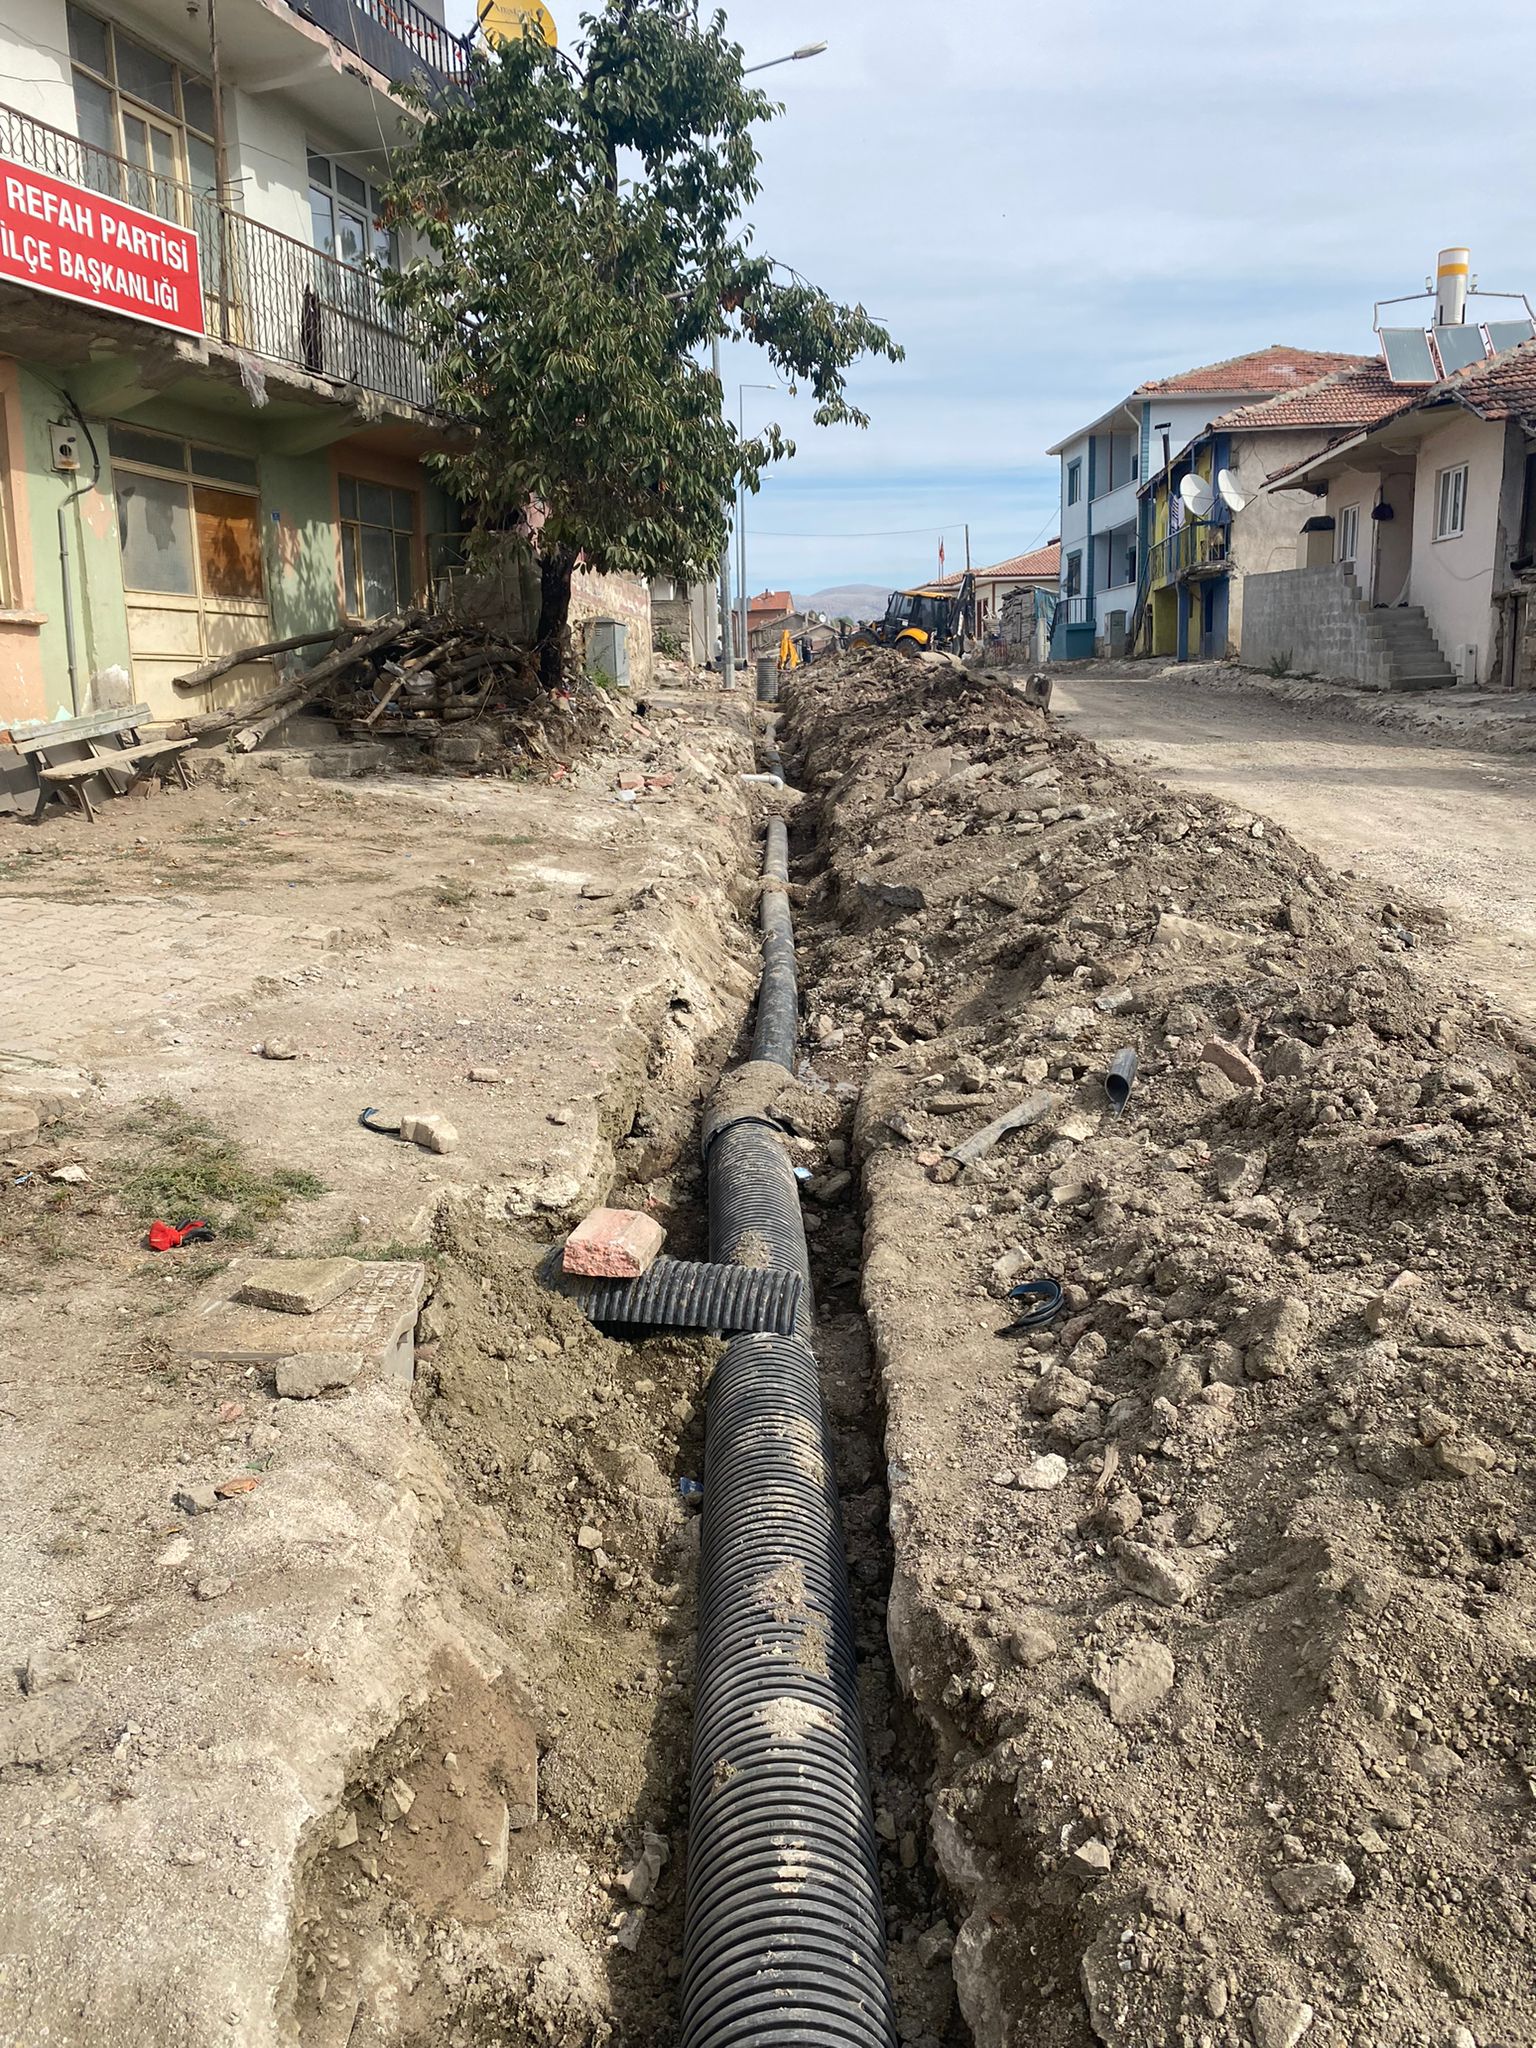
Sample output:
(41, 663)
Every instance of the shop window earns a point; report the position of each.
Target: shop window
(378, 548)
(148, 112)
(188, 518)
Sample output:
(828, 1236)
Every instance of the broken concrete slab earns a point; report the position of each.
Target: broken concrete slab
(308, 1376)
(50, 1092)
(432, 1133)
(18, 1123)
(296, 1287)
(34, 1731)
(375, 1320)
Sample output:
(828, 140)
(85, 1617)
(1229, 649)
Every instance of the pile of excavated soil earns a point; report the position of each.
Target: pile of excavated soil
(1214, 1591)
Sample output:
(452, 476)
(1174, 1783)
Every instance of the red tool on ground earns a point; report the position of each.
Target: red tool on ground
(167, 1237)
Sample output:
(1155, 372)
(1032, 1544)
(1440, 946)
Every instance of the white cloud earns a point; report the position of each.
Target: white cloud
(1048, 205)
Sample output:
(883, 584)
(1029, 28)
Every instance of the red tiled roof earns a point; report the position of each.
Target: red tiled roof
(1502, 389)
(1356, 397)
(1273, 369)
(772, 604)
(1041, 565)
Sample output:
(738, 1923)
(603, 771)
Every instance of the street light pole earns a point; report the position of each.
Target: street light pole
(795, 57)
(727, 622)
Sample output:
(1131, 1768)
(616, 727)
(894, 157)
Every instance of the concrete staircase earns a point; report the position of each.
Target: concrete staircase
(1409, 656)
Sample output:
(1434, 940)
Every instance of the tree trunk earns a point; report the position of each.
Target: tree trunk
(555, 572)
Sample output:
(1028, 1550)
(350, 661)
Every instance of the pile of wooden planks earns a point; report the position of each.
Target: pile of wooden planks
(414, 676)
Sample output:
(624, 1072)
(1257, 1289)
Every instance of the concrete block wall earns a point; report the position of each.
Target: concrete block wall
(1317, 618)
(673, 616)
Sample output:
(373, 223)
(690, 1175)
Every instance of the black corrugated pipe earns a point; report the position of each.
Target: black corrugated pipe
(685, 1294)
(784, 1945)
(778, 995)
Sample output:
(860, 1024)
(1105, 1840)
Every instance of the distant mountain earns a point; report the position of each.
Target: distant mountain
(859, 601)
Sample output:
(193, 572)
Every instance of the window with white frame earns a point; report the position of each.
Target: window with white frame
(344, 216)
(1451, 502)
(1347, 535)
(1074, 481)
(1074, 582)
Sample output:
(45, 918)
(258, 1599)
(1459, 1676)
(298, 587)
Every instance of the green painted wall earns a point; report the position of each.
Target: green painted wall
(298, 525)
(298, 507)
(297, 511)
(101, 628)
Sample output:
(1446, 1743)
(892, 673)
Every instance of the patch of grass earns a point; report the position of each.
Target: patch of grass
(347, 1245)
(506, 839)
(1279, 665)
(187, 1167)
(25, 867)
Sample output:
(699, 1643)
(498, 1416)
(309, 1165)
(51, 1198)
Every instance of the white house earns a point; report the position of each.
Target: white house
(1102, 465)
(1040, 569)
(1416, 551)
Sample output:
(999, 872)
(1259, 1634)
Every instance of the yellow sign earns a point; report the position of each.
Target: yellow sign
(503, 20)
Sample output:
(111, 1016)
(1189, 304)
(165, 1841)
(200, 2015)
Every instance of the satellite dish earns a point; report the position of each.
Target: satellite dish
(1232, 494)
(1197, 495)
(503, 21)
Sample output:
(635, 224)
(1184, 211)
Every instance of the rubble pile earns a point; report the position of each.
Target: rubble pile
(1213, 1590)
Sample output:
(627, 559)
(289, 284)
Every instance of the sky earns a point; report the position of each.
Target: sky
(1048, 205)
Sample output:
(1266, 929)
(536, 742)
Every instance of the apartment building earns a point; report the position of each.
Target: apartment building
(212, 429)
(1103, 466)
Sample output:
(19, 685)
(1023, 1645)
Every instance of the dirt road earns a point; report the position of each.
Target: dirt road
(1434, 823)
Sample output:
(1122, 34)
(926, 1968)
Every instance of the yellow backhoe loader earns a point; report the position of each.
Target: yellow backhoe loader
(917, 620)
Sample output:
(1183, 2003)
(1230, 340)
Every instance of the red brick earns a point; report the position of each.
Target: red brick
(614, 1244)
(1233, 1062)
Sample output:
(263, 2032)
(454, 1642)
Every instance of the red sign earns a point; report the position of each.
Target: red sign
(62, 239)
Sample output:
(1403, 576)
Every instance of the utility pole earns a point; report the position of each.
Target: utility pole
(727, 623)
(220, 172)
(967, 547)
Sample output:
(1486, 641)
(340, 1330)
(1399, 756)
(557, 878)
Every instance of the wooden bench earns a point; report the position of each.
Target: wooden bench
(114, 750)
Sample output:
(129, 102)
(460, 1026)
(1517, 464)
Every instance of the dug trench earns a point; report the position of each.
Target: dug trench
(1196, 1625)
(511, 1862)
(1212, 1592)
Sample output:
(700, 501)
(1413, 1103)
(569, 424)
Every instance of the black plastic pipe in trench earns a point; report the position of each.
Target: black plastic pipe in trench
(784, 1943)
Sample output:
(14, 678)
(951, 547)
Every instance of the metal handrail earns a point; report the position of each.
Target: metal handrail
(263, 291)
(396, 36)
(1197, 544)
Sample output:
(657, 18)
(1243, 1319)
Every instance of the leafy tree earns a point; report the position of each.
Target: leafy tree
(586, 217)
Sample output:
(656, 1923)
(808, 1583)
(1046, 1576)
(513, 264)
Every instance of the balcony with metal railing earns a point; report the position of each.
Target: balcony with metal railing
(263, 292)
(396, 37)
(1198, 547)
